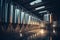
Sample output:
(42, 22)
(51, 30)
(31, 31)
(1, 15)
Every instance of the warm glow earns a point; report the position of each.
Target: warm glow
(42, 24)
(42, 33)
(39, 32)
(33, 23)
(50, 18)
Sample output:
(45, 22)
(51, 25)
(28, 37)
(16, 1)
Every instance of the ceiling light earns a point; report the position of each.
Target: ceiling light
(32, 3)
(43, 11)
(36, 1)
(39, 7)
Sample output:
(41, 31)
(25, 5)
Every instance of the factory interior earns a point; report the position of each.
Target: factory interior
(29, 19)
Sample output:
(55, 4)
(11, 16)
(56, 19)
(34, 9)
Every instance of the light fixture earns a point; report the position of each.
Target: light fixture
(43, 11)
(54, 23)
(35, 2)
(20, 34)
(54, 31)
(32, 3)
(40, 8)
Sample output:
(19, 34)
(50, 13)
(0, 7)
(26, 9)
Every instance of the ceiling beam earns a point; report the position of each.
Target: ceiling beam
(42, 9)
(39, 4)
(27, 2)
